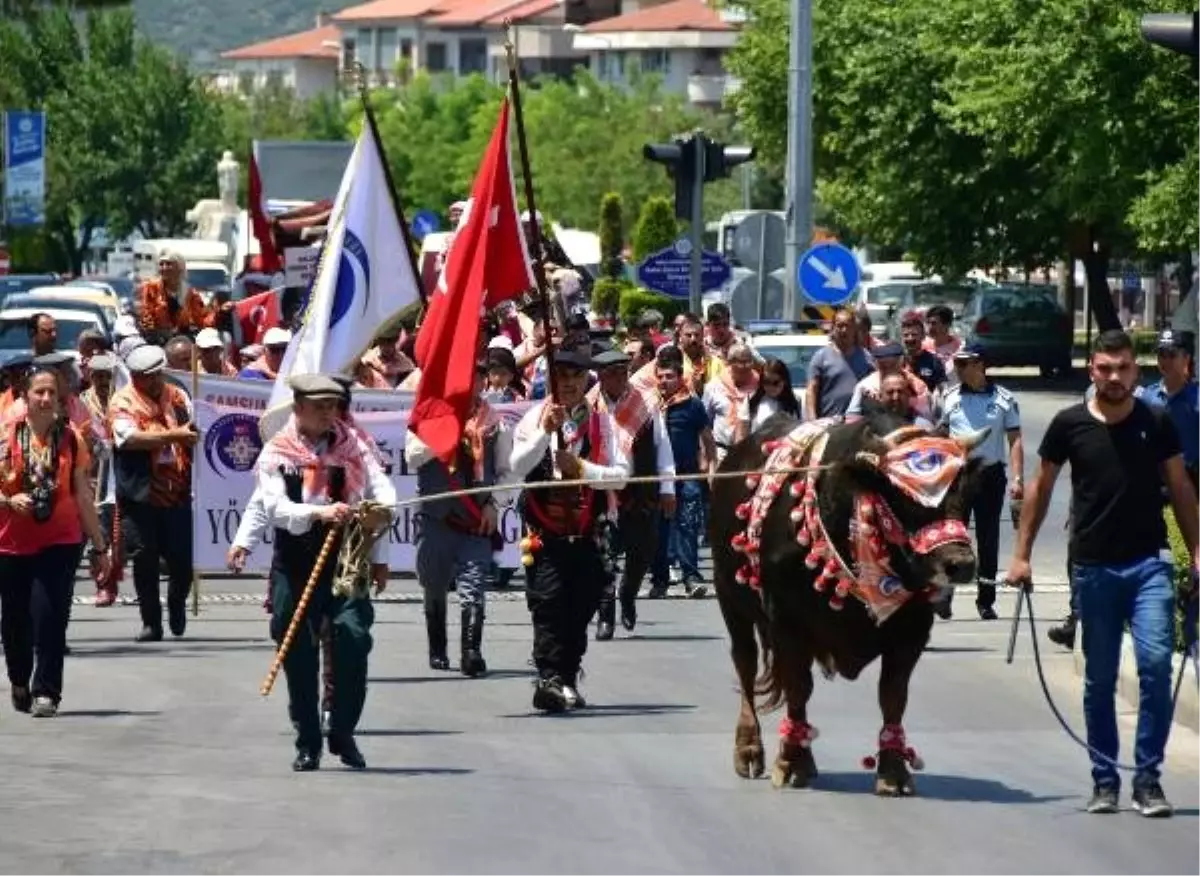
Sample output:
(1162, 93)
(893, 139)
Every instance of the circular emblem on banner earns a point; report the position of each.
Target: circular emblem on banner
(925, 461)
(890, 585)
(353, 279)
(232, 444)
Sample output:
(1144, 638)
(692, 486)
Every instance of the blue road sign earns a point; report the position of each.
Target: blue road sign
(669, 270)
(828, 273)
(425, 222)
(1131, 281)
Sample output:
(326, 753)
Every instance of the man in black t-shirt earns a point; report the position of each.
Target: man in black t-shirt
(1121, 453)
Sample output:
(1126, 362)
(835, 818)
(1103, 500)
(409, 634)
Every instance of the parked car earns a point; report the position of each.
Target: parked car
(919, 297)
(793, 349)
(72, 298)
(11, 283)
(14, 327)
(123, 288)
(1020, 326)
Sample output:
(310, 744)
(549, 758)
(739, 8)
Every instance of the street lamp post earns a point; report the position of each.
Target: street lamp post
(800, 164)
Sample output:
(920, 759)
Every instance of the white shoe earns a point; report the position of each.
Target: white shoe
(44, 707)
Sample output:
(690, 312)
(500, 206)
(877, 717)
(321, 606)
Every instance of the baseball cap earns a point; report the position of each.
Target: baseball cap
(973, 350)
(209, 339)
(277, 337)
(887, 350)
(1169, 341)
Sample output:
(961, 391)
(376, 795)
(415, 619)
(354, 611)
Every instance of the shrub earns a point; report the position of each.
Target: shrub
(612, 237)
(656, 228)
(634, 301)
(606, 295)
(1182, 560)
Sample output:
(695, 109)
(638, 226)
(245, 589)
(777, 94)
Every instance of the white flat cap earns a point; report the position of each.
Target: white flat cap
(209, 339)
(277, 337)
(102, 362)
(147, 359)
(125, 327)
(128, 345)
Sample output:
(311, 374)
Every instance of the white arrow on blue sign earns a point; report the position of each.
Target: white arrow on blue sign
(669, 270)
(423, 223)
(828, 273)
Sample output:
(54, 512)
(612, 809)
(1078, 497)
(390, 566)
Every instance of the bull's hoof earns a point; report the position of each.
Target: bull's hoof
(749, 761)
(893, 778)
(794, 767)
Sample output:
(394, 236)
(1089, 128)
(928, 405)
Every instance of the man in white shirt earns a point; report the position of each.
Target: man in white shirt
(565, 438)
(312, 476)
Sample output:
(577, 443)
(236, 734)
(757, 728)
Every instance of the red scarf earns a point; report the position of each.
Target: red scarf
(292, 452)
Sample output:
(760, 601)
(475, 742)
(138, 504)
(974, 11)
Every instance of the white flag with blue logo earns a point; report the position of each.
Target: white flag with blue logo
(364, 278)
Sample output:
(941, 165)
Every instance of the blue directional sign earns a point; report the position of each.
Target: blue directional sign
(1131, 281)
(425, 222)
(669, 270)
(828, 273)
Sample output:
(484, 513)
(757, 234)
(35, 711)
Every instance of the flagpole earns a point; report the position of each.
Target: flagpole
(195, 471)
(360, 75)
(539, 272)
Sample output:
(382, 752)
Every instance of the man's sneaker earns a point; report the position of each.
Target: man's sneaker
(549, 696)
(1150, 800)
(573, 697)
(987, 613)
(44, 707)
(1105, 801)
(696, 588)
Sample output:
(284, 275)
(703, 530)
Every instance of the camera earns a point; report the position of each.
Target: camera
(42, 496)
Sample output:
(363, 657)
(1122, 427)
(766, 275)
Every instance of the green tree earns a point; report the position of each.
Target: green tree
(28, 8)
(612, 236)
(133, 138)
(656, 228)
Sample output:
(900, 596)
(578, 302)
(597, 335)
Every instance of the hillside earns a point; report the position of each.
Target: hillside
(201, 29)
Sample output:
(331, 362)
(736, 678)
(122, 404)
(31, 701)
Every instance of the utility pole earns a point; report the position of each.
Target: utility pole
(696, 235)
(800, 164)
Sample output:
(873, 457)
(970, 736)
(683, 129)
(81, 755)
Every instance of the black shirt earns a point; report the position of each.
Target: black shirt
(929, 368)
(1117, 504)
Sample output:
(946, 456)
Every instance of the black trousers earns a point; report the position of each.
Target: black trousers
(636, 543)
(153, 533)
(987, 506)
(35, 605)
(562, 590)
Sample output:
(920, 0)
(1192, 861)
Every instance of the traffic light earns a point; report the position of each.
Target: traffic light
(1175, 31)
(679, 158)
(720, 160)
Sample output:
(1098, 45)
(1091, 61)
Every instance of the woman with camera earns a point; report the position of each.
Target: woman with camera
(45, 507)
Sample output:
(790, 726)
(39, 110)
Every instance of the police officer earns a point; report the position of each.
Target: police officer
(457, 536)
(1178, 392)
(311, 475)
(977, 403)
(642, 432)
(566, 438)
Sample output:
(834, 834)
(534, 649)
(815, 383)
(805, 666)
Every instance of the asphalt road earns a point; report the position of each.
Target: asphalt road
(165, 758)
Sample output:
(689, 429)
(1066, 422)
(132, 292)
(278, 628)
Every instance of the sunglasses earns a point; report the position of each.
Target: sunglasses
(772, 381)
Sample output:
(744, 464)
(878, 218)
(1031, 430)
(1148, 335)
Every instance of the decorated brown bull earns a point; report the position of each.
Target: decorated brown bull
(836, 566)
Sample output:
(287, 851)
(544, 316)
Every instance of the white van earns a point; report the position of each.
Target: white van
(147, 252)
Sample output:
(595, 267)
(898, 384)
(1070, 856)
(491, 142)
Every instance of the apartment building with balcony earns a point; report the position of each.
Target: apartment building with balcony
(682, 40)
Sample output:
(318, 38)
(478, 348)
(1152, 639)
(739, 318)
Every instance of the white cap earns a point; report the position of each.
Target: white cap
(125, 327)
(276, 337)
(147, 360)
(129, 344)
(500, 341)
(209, 339)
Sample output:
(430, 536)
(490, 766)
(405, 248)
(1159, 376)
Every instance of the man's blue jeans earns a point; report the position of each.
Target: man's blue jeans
(1140, 592)
(679, 537)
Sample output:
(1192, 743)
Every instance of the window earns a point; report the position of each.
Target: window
(275, 80)
(349, 51)
(405, 51)
(435, 57)
(657, 61)
(245, 82)
(472, 56)
(385, 49)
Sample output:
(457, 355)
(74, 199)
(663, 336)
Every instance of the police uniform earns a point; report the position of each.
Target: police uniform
(297, 477)
(638, 504)
(565, 567)
(450, 549)
(964, 411)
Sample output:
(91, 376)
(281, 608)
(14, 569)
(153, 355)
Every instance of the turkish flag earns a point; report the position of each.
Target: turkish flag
(260, 220)
(256, 314)
(487, 263)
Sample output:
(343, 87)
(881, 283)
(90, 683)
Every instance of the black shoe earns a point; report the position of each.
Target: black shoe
(695, 588)
(548, 695)
(606, 616)
(629, 610)
(347, 749)
(471, 662)
(22, 699)
(1063, 635)
(306, 762)
(1150, 801)
(657, 591)
(149, 634)
(177, 617)
(1105, 800)
(986, 612)
(435, 630)
(943, 610)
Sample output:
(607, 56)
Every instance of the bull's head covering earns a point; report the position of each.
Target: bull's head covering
(925, 466)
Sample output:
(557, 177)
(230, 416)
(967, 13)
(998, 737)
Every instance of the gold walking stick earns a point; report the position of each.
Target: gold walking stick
(298, 613)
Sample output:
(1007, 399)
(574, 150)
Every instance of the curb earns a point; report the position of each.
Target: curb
(1187, 709)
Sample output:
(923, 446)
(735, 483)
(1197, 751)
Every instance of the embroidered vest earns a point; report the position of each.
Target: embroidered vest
(434, 477)
(296, 555)
(564, 511)
(643, 464)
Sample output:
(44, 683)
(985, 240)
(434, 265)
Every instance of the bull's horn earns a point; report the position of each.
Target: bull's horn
(972, 440)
